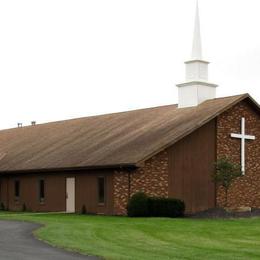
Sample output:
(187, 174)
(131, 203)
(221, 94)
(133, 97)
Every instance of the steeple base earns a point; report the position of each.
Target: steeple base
(194, 93)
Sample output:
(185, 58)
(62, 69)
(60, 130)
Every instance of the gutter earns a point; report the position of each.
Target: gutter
(67, 169)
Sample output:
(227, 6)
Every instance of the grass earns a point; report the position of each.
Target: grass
(149, 238)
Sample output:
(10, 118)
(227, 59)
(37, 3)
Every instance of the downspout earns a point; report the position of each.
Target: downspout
(129, 183)
(7, 191)
(129, 171)
(216, 158)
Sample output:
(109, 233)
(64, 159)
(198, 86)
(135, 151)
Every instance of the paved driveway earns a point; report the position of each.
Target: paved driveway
(18, 243)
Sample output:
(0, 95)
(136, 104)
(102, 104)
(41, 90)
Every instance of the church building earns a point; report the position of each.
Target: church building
(99, 162)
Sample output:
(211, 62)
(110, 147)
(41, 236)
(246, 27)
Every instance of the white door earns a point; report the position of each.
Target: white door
(70, 195)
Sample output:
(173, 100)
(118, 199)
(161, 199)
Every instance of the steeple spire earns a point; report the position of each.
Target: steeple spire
(196, 48)
(196, 89)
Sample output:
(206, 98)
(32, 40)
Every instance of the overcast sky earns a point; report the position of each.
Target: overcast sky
(63, 59)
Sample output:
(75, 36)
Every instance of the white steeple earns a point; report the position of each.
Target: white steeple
(196, 47)
(196, 89)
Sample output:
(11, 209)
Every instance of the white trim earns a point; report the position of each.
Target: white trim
(197, 82)
(191, 61)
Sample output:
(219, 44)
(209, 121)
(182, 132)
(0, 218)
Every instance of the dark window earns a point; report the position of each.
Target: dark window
(41, 190)
(17, 189)
(101, 190)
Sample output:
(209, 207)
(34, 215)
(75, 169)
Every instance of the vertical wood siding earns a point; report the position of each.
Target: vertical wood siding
(191, 163)
(86, 192)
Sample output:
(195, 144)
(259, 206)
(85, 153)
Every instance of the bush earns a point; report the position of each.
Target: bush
(2, 206)
(165, 207)
(24, 208)
(83, 210)
(138, 205)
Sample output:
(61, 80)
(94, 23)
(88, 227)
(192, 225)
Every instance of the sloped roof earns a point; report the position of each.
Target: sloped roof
(119, 139)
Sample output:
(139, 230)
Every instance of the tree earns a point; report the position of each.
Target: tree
(225, 172)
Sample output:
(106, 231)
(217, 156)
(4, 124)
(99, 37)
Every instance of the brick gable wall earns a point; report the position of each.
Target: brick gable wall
(245, 191)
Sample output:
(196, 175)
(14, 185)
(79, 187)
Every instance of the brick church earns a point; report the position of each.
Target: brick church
(98, 162)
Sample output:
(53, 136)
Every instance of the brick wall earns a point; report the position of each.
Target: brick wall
(121, 192)
(151, 178)
(245, 191)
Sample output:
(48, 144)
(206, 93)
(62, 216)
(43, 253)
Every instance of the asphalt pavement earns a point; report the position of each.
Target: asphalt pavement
(18, 243)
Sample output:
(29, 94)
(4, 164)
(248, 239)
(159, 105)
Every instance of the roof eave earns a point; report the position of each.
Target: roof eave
(68, 169)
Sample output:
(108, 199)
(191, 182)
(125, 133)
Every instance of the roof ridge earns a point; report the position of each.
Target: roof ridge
(113, 113)
(92, 116)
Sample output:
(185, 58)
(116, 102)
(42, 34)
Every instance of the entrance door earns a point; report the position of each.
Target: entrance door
(70, 195)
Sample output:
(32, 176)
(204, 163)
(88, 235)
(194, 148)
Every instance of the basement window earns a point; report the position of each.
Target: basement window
(41, 190)
(17, 189)
(101, 190)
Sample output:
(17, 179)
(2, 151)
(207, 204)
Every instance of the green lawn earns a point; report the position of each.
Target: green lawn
(149, 238)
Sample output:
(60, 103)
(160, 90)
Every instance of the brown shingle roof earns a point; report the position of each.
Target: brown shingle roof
(118, 139)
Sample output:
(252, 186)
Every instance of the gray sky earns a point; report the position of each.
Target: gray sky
(62, 59)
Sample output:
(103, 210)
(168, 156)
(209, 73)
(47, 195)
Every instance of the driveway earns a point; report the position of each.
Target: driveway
(18, 243)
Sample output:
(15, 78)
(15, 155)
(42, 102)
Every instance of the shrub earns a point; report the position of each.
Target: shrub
(225, 173)
(138, 205)
(2, 206)
(24, 208)
(83, 210)
(165, 207)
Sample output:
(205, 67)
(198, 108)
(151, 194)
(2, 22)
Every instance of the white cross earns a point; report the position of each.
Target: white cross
(243, 138)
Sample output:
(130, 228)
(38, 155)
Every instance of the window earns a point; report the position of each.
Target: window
(101, 190)
(16, 189)
(41, 190)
